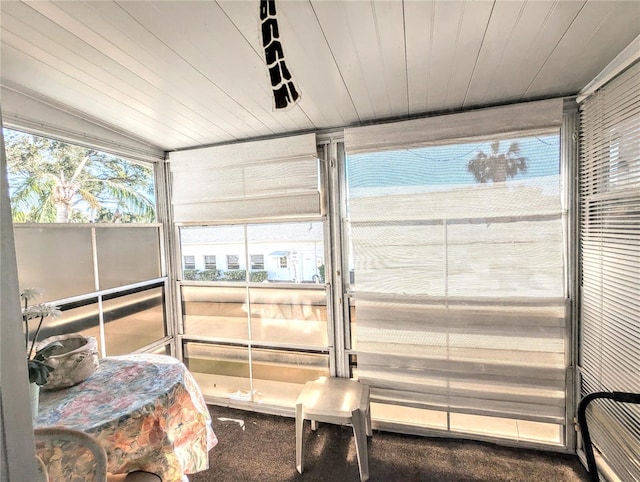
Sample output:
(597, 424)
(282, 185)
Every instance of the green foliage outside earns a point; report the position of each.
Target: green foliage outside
(258, 276)
(219, 275)
(209, 275)
(190, 274)
(52, 181)
(235, 275)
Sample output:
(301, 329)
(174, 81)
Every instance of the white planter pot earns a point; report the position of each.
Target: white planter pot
(73, 362)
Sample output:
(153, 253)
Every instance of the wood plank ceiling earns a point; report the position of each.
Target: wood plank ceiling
(177, 74)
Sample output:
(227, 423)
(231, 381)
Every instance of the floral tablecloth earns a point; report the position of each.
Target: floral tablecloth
(145, 410)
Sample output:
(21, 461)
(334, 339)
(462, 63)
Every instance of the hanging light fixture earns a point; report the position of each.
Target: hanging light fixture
(285, 93)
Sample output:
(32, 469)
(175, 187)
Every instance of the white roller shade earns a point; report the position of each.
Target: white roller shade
(610, 256)
(275, 178)
(460, 285)
(481, 123)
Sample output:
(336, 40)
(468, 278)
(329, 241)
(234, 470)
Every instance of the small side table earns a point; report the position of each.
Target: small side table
(340, 401)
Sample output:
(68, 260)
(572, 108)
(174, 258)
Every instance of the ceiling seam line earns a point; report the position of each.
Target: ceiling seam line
(197, 70)
(524, 94)
(335, 62)
(475, 64)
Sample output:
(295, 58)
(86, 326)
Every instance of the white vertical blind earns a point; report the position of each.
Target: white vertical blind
(459, 285)
(276, 178)
(610, 258)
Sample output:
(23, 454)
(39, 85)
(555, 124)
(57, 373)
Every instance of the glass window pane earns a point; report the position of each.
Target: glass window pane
(292, 252)
(57, 259)
(133, 321)
(127, 255)
(220, 370)
(215, 311)
(220, 249)
(82, 319)
(487, 259)
(441, 245)
(120, 191)
(292, 316)
(163, 350)
(278, 376)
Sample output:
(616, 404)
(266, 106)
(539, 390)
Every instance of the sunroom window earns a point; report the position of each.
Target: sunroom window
(85, 232)
(259, 330)
(459, 312)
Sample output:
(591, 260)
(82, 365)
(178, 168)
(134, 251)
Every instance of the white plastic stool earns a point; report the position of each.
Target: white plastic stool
(340, 401)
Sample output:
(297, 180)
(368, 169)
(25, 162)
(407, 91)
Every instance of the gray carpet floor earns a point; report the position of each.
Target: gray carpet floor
(260, 447)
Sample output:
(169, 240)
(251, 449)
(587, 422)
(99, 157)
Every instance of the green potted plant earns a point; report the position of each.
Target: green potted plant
(37, 365)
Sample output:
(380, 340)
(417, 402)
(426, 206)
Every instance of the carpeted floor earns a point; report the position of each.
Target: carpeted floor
(259, 447)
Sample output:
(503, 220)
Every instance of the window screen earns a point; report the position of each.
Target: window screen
(458, 266)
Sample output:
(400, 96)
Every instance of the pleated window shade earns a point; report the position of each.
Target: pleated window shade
(268, 179)
(610, 257)
(459, 285)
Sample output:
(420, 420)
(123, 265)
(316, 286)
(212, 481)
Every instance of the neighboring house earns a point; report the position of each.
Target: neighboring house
(287, 254)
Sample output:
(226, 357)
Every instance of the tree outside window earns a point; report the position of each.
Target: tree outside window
(54, 182)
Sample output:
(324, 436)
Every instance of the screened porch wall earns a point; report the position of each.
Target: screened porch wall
(253, 302)
(107, 279)
(459, 283)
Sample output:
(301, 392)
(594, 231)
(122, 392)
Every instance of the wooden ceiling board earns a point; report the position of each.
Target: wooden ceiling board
(542, 26)
(183, 73)
(501, 30)
(471, 29)
(513, 69)
(389, 24)
(419, 30)
(446, 29)
(32, 71)
(350, 30)
(598, 34)
(201, 33)
(314, 67)
(458, 31)
(59, 48)
(306, 54)
(163, 69)
(379, 33)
